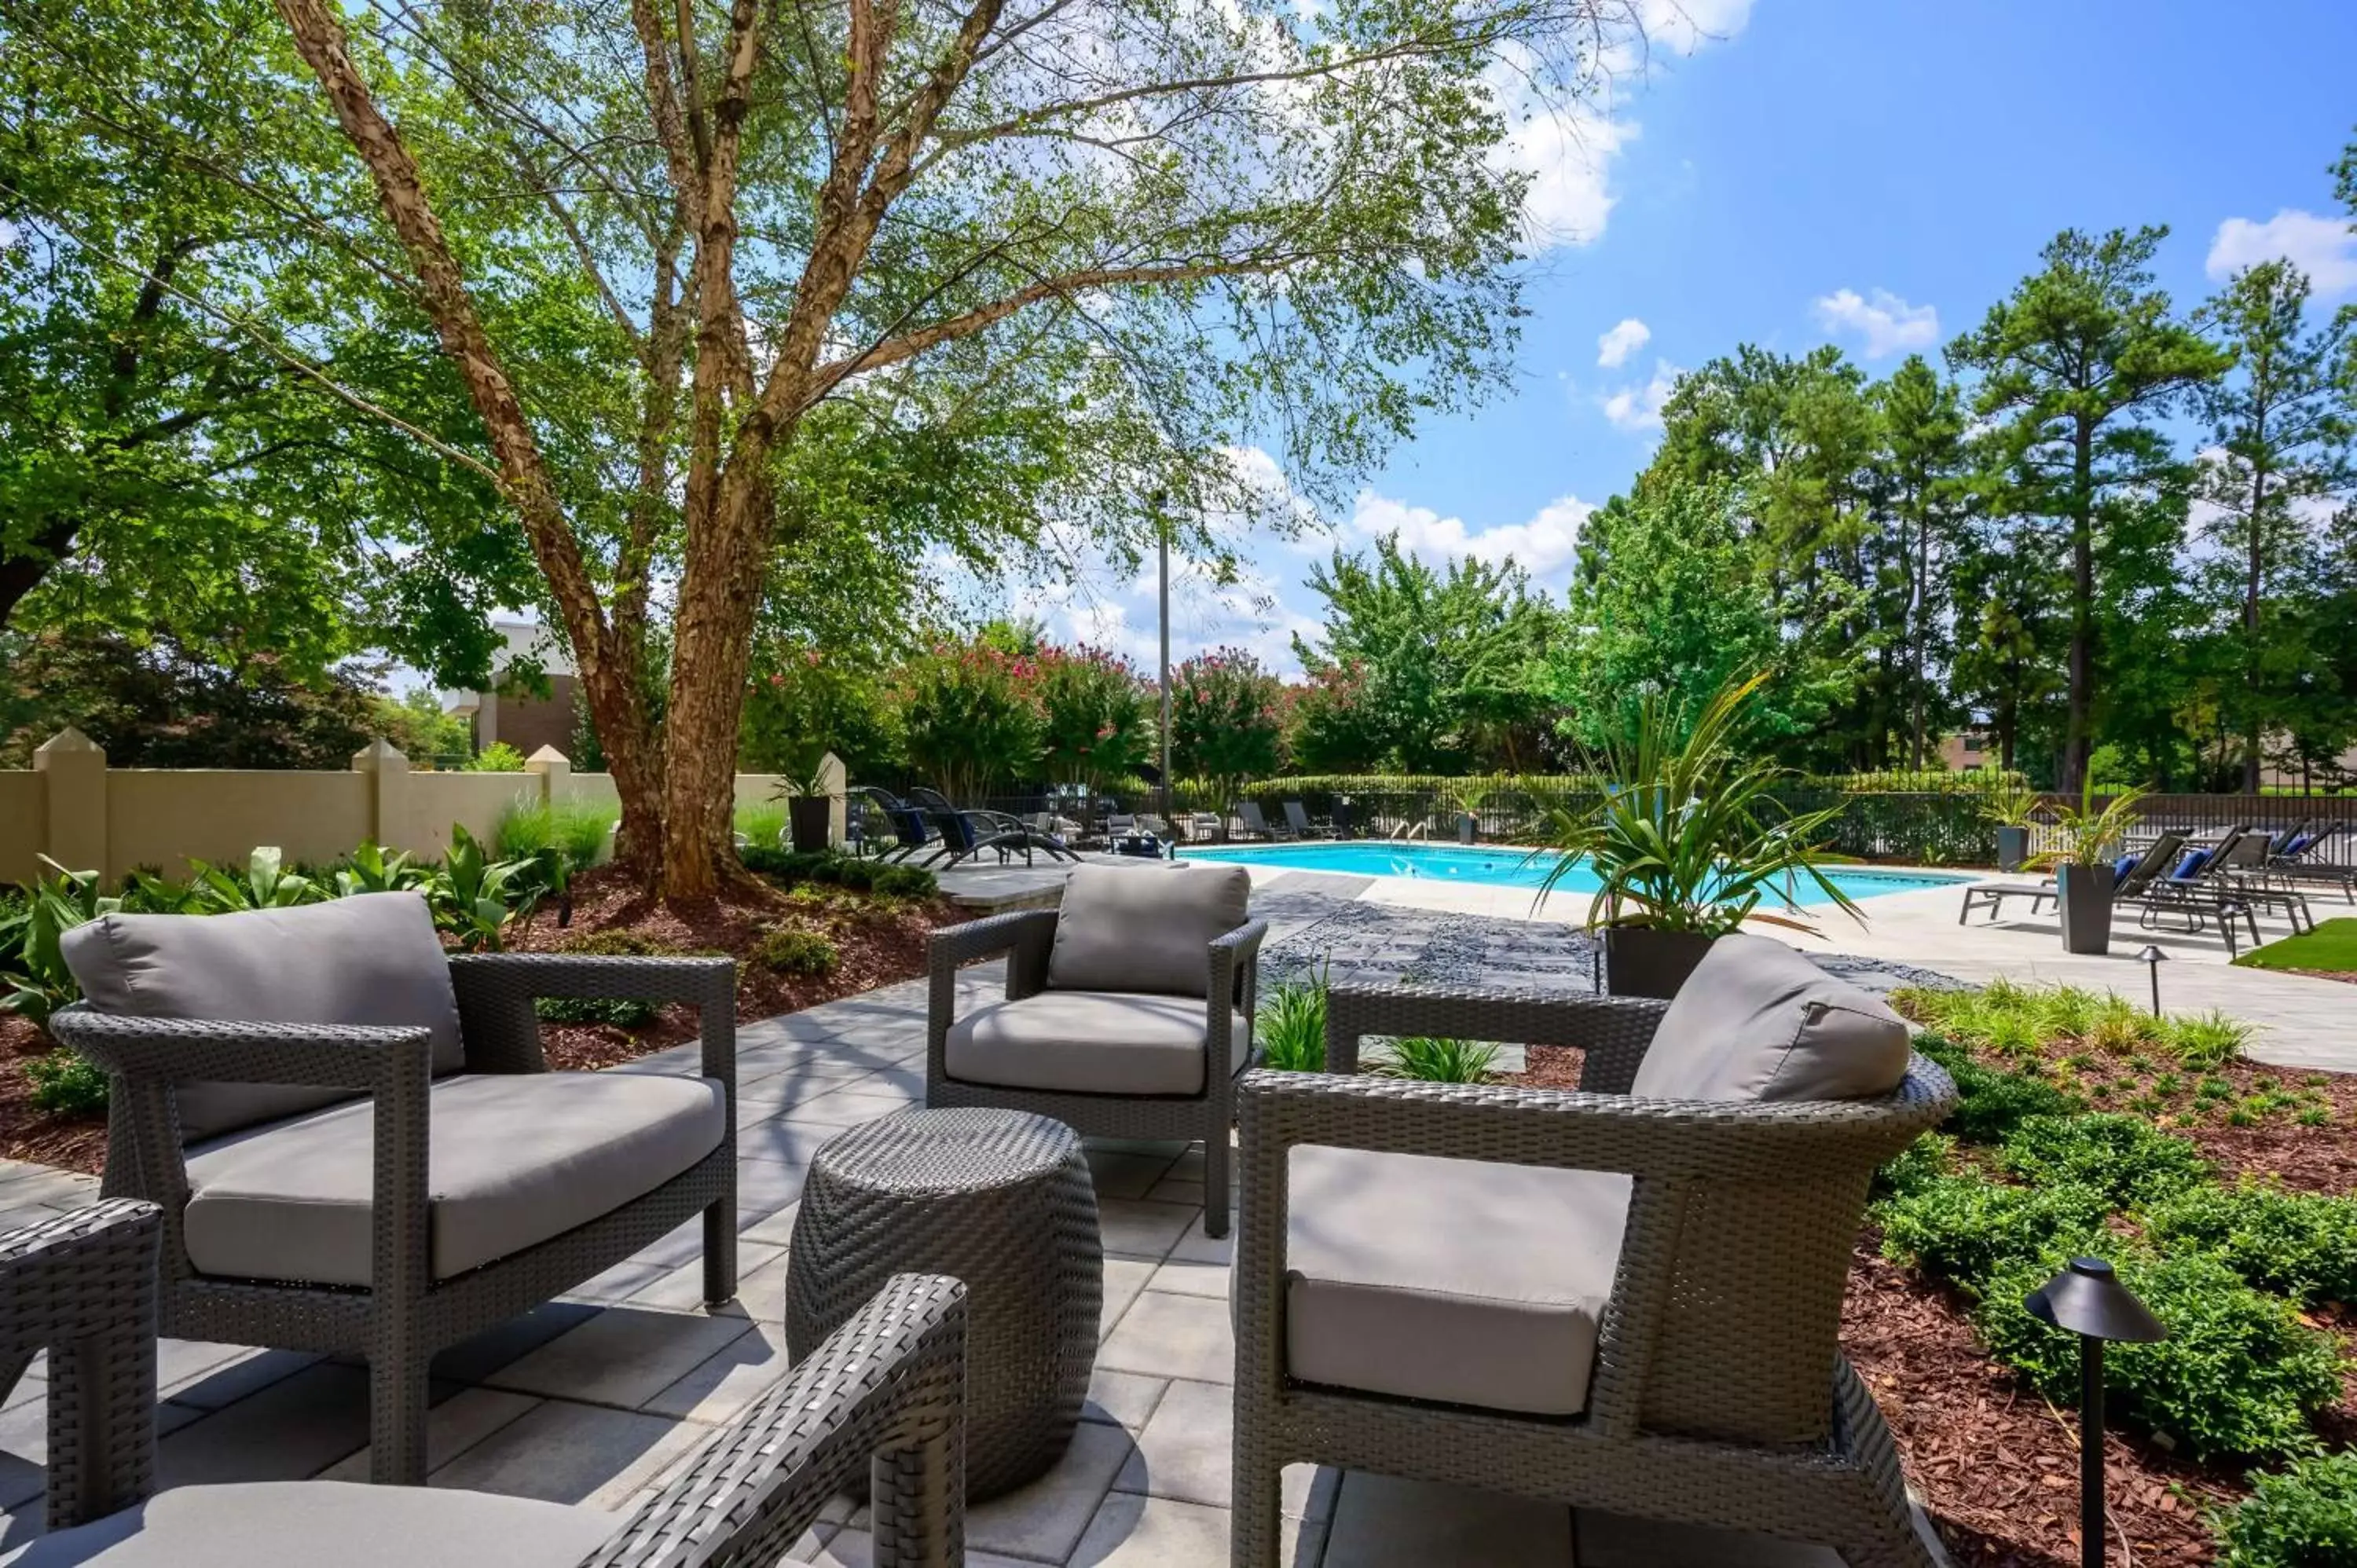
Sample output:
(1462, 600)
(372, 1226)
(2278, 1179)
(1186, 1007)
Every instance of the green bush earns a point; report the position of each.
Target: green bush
(2302, 1245)
(1431, 1060)
(1290, 1028)
(496, 758)
(1914, 1167)
(788, 865)
(789, 950)
(67, 1082)
(1992, 1102)
(622, 1012)
(857, 875)
(621, 944)
(2238, 1375)
(576, 829)
(906, 882)
(2207, 1040)
(1967, 1228)
(2126, 1158)
(2301, 1517)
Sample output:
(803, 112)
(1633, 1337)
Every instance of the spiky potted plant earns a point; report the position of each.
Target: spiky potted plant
(1687, 843)
(2013, 807)
(2084, 877)
(810, 810)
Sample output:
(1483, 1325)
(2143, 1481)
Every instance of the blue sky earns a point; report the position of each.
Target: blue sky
(1793, 172)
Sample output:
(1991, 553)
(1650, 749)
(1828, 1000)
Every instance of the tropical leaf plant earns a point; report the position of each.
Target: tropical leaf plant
(2092, 835)
(265, 885)
(1689, 836)
(473, 895)
(372, 868)
(32, 964)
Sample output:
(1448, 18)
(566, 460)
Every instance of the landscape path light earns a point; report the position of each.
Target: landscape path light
(2087, 1299)
(2152, 957)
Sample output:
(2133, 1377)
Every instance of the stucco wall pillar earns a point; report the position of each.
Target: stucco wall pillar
(389, 788)
(554, 770)
(73, 771)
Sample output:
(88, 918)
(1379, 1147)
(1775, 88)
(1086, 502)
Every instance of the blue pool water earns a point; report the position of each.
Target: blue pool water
(1482, 867)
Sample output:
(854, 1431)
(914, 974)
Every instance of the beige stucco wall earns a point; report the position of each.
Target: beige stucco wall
(429, 803)
(161, 818)
(22, 802)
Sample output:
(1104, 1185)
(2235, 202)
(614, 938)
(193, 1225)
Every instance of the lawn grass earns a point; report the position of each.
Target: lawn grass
(2332, 946)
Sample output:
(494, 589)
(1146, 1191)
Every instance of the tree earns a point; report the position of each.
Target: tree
(183, 360)
(2279, 452)
(971, 719)
(1216, 216)
(2076, 363)
(1439, 663)
(1926, 492)
(1670, 606)
(1226, 721)
(1098, 722)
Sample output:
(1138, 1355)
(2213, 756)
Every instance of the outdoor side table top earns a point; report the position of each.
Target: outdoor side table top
(1000, 1199)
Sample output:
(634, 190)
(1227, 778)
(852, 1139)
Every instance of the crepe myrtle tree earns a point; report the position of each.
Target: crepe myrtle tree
(1234, 219)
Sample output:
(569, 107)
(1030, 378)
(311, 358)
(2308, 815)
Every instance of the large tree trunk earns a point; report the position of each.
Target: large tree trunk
(2075, 739)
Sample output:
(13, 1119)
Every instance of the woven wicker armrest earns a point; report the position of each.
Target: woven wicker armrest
(83, 1287)
(1235, 969)
(1613, 1030)
(1674, 1139)
(496, 992)
(1026, 936)
(882, 1397)
(181, 1050)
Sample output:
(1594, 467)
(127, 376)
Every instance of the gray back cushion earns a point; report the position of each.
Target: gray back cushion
(1145, 927)
(1758, 1021)
(373, 959)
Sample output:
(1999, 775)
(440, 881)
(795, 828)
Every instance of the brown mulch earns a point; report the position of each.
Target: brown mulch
(879, 941)
(2346, 976)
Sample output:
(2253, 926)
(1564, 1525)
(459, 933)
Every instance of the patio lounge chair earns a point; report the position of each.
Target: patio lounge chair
(910, 835)
(2304, 856)
(1626, 1298)
(1298, 818)
(1129, 1009)
(2135, 874)
(1257, 824)
(357, 1143)
(881, 1400)
(2198, 889)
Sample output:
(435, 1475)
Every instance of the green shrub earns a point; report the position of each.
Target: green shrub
(1431, 1060)
(2301, 1517)
(1909, 1171)
(789, 866)
(67, 1082)
(576, 829)
(1290, 1028)
(621, 944)
(857, 875)
(789, 950)
(906, 882)
(1992, 1102)
(2238, 1375)
(2302, 1245)
(622, 1012)
(2129, 1161)
(1967, 1228)
(2207, 1040)
(496, 758)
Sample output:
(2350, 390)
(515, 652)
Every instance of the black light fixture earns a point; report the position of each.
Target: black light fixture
(2087, 1299)
(2152, 957)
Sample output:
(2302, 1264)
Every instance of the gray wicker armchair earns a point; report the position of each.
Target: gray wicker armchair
(1663, 1342)
(1128, 1012)
(385, 1211)
(882, 1398)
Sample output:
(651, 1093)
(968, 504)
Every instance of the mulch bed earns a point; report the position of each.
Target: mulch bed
(879, 941)
(1995, 1462)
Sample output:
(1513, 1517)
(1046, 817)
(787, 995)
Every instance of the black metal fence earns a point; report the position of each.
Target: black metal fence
(1920, 827)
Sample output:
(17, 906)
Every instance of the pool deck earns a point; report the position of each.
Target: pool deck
(2301, 1023)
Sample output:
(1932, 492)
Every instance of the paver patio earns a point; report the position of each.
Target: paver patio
(595, 1397)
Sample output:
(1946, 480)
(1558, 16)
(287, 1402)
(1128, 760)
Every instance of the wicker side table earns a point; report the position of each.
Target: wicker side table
(1000, 1199)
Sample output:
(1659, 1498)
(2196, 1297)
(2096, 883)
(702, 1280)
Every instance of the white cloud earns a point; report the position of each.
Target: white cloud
(1613, 348)
(1542, 546)
(1684, 25)
(2323, 248)
(1640, 407)
(1885, 322)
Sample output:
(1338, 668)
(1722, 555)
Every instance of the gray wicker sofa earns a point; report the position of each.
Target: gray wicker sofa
(881, 1398)
(357, 1143)
(1625, 1299)
(1128, 1011)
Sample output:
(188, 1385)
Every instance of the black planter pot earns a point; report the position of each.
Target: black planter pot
(2012, 848)
(2086, 897)
(1641, 961)
(1465, 827)
(809, 817)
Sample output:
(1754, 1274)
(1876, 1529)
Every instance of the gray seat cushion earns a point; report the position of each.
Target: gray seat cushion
(1759, 1021)
(1145, 927)
(1461, 1281)
(372, 958)
(251, 1524)
(1090, 1042)
(514, 1159)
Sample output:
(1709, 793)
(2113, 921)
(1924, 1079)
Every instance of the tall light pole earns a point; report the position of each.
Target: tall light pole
(1162, 555)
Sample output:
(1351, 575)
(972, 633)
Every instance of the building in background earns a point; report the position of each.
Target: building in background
(525, 711)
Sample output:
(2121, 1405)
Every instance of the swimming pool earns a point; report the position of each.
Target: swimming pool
(1474, 865)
